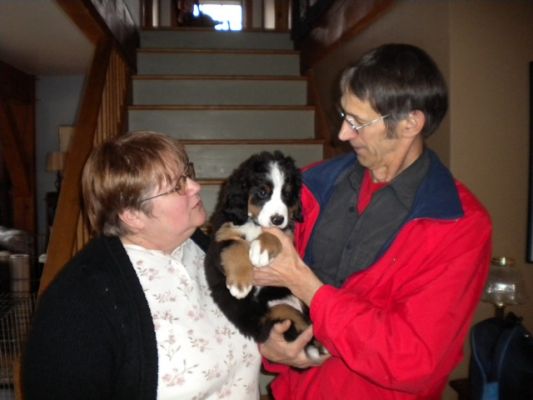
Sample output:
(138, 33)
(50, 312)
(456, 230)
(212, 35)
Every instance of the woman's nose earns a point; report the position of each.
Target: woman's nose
(193, 186)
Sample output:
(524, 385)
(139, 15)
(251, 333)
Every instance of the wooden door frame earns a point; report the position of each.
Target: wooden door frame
(17, 143)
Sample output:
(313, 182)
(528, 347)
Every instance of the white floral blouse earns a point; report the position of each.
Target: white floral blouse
(201, 354)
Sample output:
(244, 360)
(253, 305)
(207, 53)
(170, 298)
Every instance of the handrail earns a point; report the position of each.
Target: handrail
(329, 23)
(102, 115)
(305, 16)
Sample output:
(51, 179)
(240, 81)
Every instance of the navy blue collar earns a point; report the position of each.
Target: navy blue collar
(436, 198)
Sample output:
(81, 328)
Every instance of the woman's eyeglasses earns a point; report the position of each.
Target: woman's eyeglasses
(181, 183)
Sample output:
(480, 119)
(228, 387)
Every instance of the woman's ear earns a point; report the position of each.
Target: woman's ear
(413, 123)
(133, 219)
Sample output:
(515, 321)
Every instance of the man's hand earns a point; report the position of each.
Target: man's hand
(278, 350)
(287, 269)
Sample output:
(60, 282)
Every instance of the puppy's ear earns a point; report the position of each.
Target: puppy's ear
(297, 212)
(237, 208)
(233, 198)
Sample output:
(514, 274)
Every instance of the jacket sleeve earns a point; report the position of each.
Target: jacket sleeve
(402, 323)
(68, 353)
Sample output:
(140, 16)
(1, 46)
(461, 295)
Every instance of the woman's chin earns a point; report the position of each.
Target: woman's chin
(201, 213)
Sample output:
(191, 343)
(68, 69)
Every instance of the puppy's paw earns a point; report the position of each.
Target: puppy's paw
(239, 288)
(258, 256)
(316, 352)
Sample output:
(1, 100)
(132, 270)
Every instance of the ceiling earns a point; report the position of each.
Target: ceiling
(38, 38)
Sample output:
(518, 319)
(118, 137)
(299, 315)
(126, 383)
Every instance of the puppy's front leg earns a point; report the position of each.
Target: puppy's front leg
(237, 268)
(263, 249)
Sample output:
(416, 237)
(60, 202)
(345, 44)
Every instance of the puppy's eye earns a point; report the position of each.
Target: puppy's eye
(262, 194)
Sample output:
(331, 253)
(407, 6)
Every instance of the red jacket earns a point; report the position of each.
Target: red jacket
(396, 330)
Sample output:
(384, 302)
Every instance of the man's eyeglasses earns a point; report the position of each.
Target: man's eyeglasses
(357, 128)
(181, 183)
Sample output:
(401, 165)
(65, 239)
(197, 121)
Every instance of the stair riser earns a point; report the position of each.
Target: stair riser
(218, 161)
(226, 124)
(215, 40)
(217, 64)
(209, 195)
(219, 92)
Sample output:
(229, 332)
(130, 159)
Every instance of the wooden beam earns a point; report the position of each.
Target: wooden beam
(69, 203)
(85, 16)
(100, 21)
(11, 150)
(16, 85)
(17, 143)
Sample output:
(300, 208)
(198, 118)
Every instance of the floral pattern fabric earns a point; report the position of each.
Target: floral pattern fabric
(201, 355)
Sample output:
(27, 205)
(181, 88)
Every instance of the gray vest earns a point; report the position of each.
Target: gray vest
(344, 242)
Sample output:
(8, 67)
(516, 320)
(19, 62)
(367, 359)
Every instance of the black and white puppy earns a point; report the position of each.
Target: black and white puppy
(264, 191)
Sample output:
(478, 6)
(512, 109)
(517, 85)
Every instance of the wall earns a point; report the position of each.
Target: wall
(492, 46)
(134, 7)
(483, 48)
(424, 24)
(58, 99)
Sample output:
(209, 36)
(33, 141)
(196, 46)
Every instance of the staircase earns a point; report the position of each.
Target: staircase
(225, 95)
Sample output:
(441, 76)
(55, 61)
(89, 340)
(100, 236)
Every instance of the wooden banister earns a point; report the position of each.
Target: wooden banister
(63, 234)
(102, 115)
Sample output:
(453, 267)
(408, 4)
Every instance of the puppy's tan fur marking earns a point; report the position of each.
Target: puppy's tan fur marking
(282, 312)
(237, 266)
(270, 243)
(228, 232)
(253, 210)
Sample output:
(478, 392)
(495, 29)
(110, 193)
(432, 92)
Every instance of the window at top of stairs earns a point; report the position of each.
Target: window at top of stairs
(227, 13)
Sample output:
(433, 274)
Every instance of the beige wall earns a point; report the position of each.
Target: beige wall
(423, 23)
(483, 48)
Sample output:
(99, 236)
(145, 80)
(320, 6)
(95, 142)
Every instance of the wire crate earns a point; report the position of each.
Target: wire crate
(16, 310)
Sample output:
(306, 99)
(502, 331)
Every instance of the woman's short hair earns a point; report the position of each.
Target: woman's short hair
(124, 170)
(397, 79)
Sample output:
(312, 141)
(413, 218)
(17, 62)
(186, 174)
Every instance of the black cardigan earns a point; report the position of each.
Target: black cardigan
(92, 336)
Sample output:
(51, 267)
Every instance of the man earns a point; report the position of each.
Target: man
(393, 253)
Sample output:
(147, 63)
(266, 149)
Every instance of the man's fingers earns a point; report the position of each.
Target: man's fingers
(278, 233)
(281, 327)
(305, 336)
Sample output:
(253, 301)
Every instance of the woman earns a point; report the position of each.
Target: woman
(130, 316)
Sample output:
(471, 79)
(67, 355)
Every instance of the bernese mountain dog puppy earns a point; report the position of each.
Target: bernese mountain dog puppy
(264, 191)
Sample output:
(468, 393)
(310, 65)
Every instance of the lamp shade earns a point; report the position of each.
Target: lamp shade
(54, 161)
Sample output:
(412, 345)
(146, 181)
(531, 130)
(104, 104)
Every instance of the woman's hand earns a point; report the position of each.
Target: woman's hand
(288, 270)
(278, 350)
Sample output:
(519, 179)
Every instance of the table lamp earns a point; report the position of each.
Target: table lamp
(54, 163)
(505, 285)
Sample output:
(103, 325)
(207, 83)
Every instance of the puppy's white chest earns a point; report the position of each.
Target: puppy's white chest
(249, 230)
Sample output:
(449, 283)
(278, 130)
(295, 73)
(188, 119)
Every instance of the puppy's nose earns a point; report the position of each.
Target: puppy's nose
(277, 219)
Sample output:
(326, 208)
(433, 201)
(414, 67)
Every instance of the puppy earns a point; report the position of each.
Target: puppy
(264, 191)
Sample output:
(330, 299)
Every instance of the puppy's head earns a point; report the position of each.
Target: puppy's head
(266, 188)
